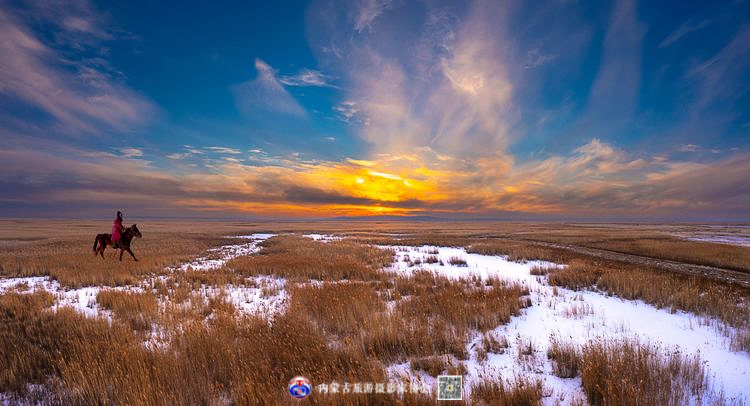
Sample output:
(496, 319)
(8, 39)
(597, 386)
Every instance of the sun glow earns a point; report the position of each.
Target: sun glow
(390, 185)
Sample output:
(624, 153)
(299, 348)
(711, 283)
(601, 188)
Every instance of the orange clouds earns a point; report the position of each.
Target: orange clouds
(595, 180)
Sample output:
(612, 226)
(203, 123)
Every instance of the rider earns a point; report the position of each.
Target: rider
(117, 229)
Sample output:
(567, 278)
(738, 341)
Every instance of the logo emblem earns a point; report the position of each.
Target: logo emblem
(299, 387)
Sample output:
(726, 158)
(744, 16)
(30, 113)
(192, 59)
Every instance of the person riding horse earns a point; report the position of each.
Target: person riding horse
(117, 229)
(121, 238)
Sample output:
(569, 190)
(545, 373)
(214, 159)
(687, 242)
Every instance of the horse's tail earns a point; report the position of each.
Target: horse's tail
(96, 242)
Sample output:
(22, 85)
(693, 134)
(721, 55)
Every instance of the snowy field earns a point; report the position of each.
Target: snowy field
(566, 315)
(251, 298)
(742, 241)
(576, 317)
(722, 234)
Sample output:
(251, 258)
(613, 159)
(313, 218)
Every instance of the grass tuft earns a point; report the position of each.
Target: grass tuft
(137, 310)
(521, 391)
(630, 372)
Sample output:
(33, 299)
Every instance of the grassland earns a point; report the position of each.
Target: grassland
(301, 259)
(68, 258)
(345, 320)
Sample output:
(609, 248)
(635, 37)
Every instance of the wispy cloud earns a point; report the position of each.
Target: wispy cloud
(722, 73)
(265, 94)
(307, 77)
(131, 152)
(367, 11)
(178, 156)
(87, 97)
(536, 58)
(614, 93)
(453, 86)
(688, 148)
(687, 27)
(225, 150)
(348, 111)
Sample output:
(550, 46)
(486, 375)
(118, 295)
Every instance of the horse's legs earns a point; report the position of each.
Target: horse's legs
(101, 249)
(131, 254)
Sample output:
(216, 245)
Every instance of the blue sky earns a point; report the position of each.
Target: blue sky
(325, 108)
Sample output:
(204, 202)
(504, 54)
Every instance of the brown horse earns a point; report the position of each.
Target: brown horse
(103, 240)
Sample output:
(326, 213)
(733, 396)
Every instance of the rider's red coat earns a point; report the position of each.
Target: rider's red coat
(117, 230)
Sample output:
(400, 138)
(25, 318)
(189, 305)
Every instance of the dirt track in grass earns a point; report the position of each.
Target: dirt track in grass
(710, 272)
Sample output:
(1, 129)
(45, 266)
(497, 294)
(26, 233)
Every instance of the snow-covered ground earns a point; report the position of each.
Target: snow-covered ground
(82, 300)
(724, 239)
(574, 317)
(218, 257)
(322, 237)
(722, 234)
(262, 295)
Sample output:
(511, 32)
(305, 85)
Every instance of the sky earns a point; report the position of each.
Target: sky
(325, 108)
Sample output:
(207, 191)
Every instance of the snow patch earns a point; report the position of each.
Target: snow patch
(265, 296)
(218, 257)
(323, 237)
(731, 240)
(82, 300)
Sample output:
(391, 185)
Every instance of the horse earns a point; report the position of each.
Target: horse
(103, 240)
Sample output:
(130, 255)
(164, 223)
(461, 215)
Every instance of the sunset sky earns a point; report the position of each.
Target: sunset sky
(467, 109)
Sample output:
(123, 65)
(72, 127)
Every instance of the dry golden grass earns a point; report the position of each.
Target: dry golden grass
(490, 344)
(566, 358)
(451, 309)
(138, 310)
(434, 366)
(438, 238)
(360, 320)
(579, 274)
(457, 261)
(395, 339)
(520, 251)
(300, 259)
(624, 372)
(462, 304)
(627, 372)
(245, 361)
(36, 344)
(342, 309)
(693, 252)
(430, 315)
(649, 240)
(215, 277)
(540, 270)
(522, 391)
(71, 261)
